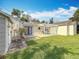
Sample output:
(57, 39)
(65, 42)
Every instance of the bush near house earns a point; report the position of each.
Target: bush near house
(22, 31)
(53, 47)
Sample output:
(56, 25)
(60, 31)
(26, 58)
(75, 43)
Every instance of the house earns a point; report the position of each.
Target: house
(42, 30)
(60, 28)
(5, 32)
(66, 28)
(9, 28)
(39, 30)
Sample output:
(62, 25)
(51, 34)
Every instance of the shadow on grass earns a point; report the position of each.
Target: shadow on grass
(58, 53)
(30, 53)
(31, 42)
(42, 51)
(13, 55)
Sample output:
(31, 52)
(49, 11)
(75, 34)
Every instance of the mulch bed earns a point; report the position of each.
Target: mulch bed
(2, 57)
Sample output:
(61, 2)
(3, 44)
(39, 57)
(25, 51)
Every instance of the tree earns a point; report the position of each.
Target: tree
(51, 21)
(36, 20)
(16, 12)
(43, 21)
(22, 31)
(26, 18)
(75, 16)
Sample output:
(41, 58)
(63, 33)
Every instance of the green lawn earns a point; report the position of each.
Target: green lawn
(53, 47)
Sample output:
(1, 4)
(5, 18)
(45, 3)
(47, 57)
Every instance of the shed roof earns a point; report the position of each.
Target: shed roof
(6, 15)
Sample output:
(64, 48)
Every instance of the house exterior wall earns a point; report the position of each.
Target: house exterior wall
(38, 32)
(15, 27)
(2, 35)
(62, 30)
(71, 30)
(8, 34)
(75, 29)
(35, 29)
(5, 34)
(67, 29)
(44, 30)
(53, 30)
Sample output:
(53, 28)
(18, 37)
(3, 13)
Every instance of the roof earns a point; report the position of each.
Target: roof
(6, 15)
(27, 24)
(69, 22)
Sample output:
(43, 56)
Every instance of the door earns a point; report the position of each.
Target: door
(29, 30)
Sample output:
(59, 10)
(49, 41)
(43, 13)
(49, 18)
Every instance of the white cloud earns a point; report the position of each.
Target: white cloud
(59, 13)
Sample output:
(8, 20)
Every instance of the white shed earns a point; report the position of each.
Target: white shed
(5, 32)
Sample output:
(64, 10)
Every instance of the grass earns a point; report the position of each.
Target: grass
(53, 47)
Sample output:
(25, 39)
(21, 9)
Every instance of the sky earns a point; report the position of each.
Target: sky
(60, 10)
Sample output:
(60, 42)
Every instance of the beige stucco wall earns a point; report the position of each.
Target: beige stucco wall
(66, 30)
(15, 27)
(71, 30)
(53, 30)
(62, 30)
(42, 33)
(37, 32)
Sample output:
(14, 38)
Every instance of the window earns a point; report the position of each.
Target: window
(47, 30)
